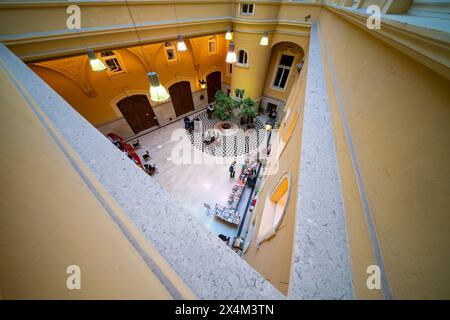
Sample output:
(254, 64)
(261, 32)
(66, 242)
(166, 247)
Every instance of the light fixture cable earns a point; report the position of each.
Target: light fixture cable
(176, 16)
(138, 36)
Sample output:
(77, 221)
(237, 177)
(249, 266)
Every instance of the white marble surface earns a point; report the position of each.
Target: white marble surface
(320, 265)
(200, 258)
(190, 184)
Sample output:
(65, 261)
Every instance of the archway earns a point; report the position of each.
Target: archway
(213, 84)
(286, 57)
(138, 112)
(181, 96)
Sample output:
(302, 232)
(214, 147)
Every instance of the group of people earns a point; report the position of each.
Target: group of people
(251, 179)
(247, 123)
(189, 124)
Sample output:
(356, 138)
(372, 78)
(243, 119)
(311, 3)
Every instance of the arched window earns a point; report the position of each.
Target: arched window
(286, 129)
(242, 57)
(290, 126)
(274, 209)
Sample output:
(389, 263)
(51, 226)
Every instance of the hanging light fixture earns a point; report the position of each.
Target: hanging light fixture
(157, 92)
(231, 55)
(265, 39)
(228, 35)
(96, 64)
(181, 45)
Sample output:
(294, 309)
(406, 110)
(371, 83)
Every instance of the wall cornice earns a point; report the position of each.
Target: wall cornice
(62, 3)
(429, 47)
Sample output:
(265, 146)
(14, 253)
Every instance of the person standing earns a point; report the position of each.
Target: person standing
(187, 123)
(232, 170)
(210, 110)
(273, 115)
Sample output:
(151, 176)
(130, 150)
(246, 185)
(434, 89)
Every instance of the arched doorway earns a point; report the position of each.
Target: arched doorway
(181, 96)
(138, 112)
(213, 84)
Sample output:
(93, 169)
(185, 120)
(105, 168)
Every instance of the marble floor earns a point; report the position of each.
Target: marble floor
(193, 185)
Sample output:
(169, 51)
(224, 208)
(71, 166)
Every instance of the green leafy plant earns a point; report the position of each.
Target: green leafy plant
(224, 106)
(248, 108)
(239, 93)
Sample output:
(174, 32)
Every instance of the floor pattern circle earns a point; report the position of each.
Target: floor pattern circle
(235, 141)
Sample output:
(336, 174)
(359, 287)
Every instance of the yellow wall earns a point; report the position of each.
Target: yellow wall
(397, 112)
(67, 76)
(273, 258)
(251, 77)
(51, 219)
(257, 77)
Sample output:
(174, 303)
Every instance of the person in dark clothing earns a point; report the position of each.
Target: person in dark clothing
(209, 138)
(187, 123)
(273, 115)
(232, 170)
(224, 238)
(251, 180)
(210, 110)
(150, 169)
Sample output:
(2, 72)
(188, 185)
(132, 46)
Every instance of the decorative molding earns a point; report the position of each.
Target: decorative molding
(74, 70)
(430, 48)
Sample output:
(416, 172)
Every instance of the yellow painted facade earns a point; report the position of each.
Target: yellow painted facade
(392, 84)
(272, 258)
(397, 111)
(95, 94)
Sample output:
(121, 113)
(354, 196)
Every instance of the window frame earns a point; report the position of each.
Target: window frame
(238, 63)
(114, 56)
(241, 9)
(271, 232)
(279, 65)
(229, 69)
(168, 48)
(214, 40)
(288, 124)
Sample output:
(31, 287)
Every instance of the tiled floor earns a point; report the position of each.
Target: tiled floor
(191, 184)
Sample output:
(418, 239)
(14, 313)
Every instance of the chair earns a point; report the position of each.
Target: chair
(151, 170)
(146, 156)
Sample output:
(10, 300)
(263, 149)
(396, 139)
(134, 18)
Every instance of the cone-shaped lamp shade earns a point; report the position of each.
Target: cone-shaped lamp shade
(157, 92)
(265, 39)
(96, 64)
(231, 55)
(228, 35)
(181, 45)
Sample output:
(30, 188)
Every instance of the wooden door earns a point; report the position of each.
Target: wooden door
(181, 96)
(138, 112)
(213, 83)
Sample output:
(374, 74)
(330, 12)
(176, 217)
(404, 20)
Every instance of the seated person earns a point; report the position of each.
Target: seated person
(149, 169)
(224, 238)
(209, 138)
